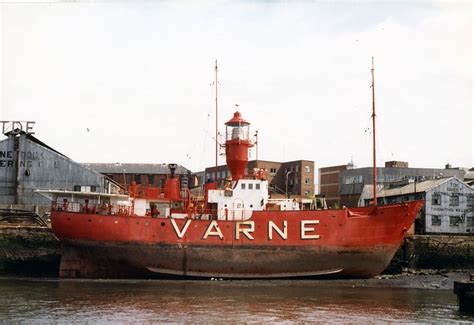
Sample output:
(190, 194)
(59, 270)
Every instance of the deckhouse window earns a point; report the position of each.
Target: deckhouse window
(242, 186)
(250, 186)
(257, 186)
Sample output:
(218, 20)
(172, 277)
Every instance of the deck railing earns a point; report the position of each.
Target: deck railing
(91, 208)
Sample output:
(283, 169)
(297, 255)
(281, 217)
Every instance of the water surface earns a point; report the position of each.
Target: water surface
(109, 301)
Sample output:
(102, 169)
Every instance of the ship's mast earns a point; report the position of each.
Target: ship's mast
(217, 145)
(373, 137)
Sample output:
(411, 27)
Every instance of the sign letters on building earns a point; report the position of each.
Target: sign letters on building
(17, 126)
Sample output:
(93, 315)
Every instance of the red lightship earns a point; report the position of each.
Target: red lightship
(233, 232)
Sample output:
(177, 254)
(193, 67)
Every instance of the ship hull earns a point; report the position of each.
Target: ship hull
(356, 243)
(106, 260)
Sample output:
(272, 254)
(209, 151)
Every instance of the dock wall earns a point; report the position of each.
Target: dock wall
(434, 252)
(29, 250)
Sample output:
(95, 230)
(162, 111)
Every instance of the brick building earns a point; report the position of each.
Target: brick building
(329, 183)
(292, 177)
(142, 174)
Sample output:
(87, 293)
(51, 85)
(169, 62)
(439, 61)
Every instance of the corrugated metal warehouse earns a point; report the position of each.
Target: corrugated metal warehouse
(27, 164)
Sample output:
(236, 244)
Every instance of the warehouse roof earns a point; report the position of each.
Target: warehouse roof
(132, 168)
(32, 138)
(417, 187)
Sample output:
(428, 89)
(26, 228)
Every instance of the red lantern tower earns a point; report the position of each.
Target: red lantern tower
(237, 145)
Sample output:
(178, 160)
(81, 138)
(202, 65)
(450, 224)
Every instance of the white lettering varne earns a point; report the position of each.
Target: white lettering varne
(305, 229)
(216, 232)
(245, 231)
(180, 233)
(283, 233)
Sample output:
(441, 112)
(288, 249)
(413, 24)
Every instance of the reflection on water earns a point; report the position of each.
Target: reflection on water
(219, 301)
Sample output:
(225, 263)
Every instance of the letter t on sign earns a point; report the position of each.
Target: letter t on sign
(4, 130)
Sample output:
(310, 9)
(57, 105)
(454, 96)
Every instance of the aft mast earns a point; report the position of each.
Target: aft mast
(217, 132)
(373, 137)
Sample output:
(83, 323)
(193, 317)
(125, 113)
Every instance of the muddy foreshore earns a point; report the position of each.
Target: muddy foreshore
(413, 279)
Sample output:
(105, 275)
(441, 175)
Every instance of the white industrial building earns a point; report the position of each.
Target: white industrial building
(449, 204)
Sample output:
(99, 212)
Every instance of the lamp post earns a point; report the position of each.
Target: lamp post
(286, 188)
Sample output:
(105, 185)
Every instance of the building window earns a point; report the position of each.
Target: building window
(250, 186)
(470, 222)
(454, 220)
(454, 199)
(151, 179)
(242, 186)
(306, 193)
(307, 169)
(470, 201)
(296, 181)
(273, 171)
(257, 186)
(77, 188)
(297, 168)
(436, 199)
(93, 188)
(208, 176)
(436, 220)
(306, 180)
(353, 179)
(138, 179)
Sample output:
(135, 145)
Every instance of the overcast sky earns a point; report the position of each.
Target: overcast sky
(130, 82)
